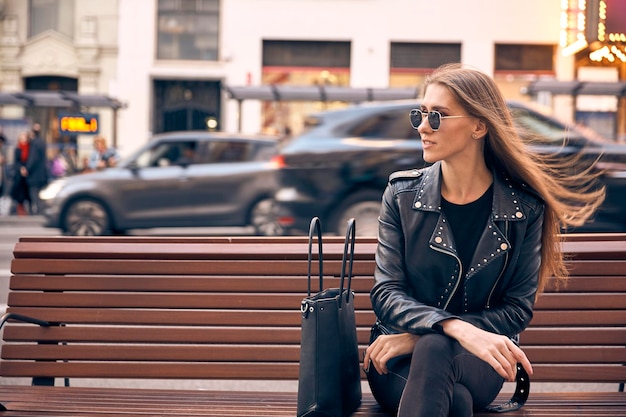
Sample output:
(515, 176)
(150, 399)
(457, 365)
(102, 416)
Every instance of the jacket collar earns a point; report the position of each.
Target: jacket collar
(506, 202)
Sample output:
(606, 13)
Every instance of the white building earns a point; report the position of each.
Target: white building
(171, 61)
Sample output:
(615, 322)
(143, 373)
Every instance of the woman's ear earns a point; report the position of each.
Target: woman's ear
(480, 130)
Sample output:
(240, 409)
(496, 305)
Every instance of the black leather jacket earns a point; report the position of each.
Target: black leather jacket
(417, 267)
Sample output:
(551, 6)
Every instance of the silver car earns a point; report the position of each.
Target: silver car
(181, 179)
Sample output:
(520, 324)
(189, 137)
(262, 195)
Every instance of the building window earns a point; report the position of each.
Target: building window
(410, 62)
(186, 105)
(306, 54)
(188, 29)
(525, 58)
(57, 15)
(423, 55)
(301, 63)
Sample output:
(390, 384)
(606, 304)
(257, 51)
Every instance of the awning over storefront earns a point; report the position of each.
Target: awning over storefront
(58, 99)
(575, 88)
(318, 93)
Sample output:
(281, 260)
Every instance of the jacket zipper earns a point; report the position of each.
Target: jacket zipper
(506, 260)
(458, 278)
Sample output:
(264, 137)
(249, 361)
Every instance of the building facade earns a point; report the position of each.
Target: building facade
(57, 45)
(171, 61)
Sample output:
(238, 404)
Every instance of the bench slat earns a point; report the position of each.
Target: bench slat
(154, 370)
(111, 402)
(290, 335)
(602, 301)
(123, 249)
(263, 353)
(223, 317)
(205, 251)
(177, 267)
(275, 301)
(180, 283)
(219, 283)
(256, 371)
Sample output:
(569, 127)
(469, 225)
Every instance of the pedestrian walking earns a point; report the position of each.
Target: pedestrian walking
(36, 169)
(19, 185)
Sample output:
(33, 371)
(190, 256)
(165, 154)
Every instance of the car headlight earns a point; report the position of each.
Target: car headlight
(287, 194)
(51, 190)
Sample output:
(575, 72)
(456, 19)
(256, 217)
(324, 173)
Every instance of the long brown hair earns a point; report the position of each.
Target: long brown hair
(570, 196)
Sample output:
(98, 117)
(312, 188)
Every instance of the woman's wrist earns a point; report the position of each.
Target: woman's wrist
(453, 327)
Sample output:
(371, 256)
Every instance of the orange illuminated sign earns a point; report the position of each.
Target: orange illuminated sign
(83, 123)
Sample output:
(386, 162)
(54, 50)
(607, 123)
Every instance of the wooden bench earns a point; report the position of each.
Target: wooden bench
(176, 309)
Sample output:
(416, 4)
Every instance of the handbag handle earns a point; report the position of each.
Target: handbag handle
(315, 226)
(349, 241)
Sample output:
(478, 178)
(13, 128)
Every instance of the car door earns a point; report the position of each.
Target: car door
(159, 193)
(225, 182)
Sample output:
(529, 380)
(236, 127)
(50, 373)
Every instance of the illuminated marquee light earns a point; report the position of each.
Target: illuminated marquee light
(79, 123)
(573, 24)
(596, 24)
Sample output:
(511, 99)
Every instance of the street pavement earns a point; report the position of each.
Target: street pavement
(12, 227)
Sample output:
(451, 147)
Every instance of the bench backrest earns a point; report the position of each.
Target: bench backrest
(229, 308)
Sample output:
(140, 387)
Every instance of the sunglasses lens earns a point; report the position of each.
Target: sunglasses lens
(416, 118)
(434, 120)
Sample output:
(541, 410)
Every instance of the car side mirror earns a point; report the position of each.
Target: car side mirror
(133, 167)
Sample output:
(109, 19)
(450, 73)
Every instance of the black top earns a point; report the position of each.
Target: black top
(467, 222)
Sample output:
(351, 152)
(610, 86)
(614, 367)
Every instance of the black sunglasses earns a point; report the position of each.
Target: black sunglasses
(434, 118)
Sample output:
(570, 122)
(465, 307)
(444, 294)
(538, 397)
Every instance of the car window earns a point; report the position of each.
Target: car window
(388, 125)
(264, 151)
(542, 129)
(229, 151)
(169, 153)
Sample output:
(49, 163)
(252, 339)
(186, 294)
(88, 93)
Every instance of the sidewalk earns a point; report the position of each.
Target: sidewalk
(14, 220)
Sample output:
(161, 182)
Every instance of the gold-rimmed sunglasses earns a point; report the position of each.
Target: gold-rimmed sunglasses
(434, 118)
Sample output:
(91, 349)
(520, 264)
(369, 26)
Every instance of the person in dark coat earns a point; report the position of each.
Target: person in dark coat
(3, 161)
(19, 187)
(36, 169)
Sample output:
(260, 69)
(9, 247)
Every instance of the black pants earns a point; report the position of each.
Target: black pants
(439, 379)
(36, 206)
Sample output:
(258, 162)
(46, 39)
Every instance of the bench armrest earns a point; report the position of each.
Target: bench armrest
(8, 316)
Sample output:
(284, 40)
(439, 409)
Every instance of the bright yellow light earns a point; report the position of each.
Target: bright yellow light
(577, 46)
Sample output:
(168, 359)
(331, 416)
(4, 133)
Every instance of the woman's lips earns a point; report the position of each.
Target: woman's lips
(427, 143)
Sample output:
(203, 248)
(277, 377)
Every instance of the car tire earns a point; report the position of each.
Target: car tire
(365, 209)
(264, 218)
(86, 217)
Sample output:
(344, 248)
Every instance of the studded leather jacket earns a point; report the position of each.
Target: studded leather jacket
(418, 269)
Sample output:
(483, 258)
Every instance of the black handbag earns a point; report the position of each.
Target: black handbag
(329, 383)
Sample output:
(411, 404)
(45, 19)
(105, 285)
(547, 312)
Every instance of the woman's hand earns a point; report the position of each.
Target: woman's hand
(386, 347)
(498, 351)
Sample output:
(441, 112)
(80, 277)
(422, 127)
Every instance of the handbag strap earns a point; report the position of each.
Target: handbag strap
(522, 389)
(349, 242)
(315, 226)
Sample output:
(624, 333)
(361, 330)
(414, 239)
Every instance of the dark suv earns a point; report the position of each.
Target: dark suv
(339, 166)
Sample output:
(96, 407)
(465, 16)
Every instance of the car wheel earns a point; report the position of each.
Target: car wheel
(86, 217)
(365, 212)
(264, 218)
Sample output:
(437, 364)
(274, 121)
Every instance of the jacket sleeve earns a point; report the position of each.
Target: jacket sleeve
(391, 296)
(511, 313)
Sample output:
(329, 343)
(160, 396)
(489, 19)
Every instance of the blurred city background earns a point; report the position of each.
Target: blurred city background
(290, 102)
(127, 70)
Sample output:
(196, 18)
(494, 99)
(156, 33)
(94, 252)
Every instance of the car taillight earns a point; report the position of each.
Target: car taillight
(286, 220)
(278, 162)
